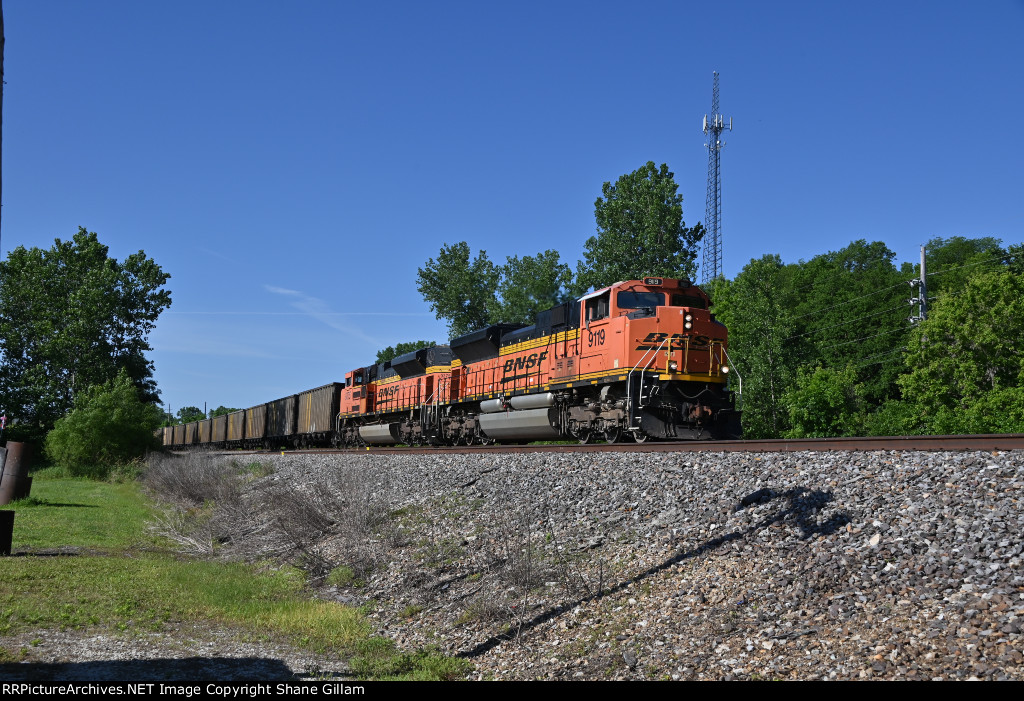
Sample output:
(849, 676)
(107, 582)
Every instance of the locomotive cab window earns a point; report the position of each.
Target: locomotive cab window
(597, 307)
(688, 301)
(640, 300)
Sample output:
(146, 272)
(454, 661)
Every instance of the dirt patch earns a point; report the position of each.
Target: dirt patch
(180, 652)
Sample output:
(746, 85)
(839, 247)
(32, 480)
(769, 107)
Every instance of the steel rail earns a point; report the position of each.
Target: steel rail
(986, 442)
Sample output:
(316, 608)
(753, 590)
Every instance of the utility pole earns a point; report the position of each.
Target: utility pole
(1, 103)
(711, 267)
(921, 300)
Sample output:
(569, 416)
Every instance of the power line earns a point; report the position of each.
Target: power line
(849, 301)
(846, 323)
(884, 354)
(864, 338)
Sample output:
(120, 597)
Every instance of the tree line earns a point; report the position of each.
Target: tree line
(826, 347)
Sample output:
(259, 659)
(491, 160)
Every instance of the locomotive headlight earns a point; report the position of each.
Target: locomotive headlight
(688, 317)
(673, 366)
(687, 325)
(725, 369)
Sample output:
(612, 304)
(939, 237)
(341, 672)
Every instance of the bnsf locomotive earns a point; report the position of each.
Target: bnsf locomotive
(637, 360)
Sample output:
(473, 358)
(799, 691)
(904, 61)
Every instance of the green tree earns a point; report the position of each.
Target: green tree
(895, 417)
(109, 425)
(967, 358)
(461, 291)
(997, 411)
(72, 317)
(640, 231)
(221, 410)
(398, 349)
(529, 285)
(188, 414)
(825, 402)
(721, 293)
(850, 309)
(472, 294)
(757, 309)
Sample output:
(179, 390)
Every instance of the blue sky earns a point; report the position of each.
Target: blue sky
(292, 164)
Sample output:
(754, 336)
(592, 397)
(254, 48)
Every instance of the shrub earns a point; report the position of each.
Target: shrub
(109, 426)
(896, 417)
(825, 402)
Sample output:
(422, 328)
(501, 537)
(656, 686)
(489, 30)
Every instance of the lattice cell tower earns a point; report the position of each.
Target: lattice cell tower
(711, 267)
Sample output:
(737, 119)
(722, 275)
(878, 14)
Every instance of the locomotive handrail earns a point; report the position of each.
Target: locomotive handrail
(629, 384)
(732, 365)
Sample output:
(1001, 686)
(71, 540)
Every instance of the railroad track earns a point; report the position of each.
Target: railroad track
(1004, 441)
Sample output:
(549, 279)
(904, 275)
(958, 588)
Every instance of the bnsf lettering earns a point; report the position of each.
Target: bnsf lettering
(387, 392)
(527, 362)
(655, 339)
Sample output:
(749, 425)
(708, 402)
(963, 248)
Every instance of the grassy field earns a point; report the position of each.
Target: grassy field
(93, 563)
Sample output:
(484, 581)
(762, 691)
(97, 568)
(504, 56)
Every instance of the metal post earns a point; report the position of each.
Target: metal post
(6, 531)
(924, 290)
(15, 483)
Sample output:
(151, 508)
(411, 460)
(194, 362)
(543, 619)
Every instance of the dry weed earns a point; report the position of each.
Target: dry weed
(215, 504)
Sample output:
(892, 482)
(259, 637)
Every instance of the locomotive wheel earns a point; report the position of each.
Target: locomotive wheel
(640, 437)
(585, 435)
(613, 434)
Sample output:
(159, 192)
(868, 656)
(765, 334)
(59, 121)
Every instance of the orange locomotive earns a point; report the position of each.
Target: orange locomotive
(639, 359)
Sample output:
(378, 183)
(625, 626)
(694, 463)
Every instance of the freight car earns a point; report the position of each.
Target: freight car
(637, 360)
(299, 420)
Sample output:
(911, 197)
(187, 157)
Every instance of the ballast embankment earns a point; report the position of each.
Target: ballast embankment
(693, 566)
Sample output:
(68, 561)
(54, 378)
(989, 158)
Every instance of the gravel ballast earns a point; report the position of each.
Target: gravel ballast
(710, 566)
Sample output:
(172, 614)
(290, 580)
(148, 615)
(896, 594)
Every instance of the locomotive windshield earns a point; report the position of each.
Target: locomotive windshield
(640, 300)
(688, 301)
